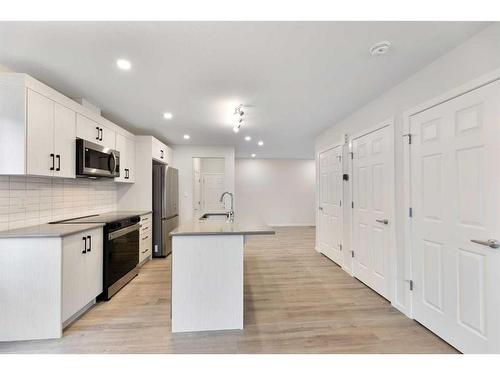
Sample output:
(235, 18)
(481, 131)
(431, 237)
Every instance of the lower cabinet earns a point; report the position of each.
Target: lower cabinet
(82, 270)
(145, 238)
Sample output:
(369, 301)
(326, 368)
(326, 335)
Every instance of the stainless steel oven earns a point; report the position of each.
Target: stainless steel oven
(93, 160)
(121, 254)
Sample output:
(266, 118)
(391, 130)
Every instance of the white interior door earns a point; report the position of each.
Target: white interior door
(330, 204)
(454, 194)
(373, 201)
(213, 185)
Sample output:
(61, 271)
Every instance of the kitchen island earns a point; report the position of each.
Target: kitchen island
(207, 273)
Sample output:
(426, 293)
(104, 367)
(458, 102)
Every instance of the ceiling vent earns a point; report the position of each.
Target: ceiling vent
(380, 48)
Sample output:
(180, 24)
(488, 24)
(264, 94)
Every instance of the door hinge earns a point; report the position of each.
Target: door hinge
(352, 155)
(352, 253)
(409, 137)
(352, 204)
(410, 283)
(340, 246)
(410, 211)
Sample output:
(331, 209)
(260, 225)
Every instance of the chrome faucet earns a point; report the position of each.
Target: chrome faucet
(231, 211)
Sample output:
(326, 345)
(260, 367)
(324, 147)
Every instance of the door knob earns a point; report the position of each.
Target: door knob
(384, 221)
(494, 244)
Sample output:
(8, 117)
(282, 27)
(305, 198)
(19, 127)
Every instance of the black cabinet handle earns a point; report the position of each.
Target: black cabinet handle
(97, 132)
(58, 157)
(145, 238)
(90, 243)
(100, 138)
(161, 157)
(53, 162)
(85, 245)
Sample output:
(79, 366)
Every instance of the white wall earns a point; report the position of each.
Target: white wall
(476, 56)
(183, 161)
(280, 192)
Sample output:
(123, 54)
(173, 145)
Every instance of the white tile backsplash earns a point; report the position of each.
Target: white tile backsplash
(26, 201)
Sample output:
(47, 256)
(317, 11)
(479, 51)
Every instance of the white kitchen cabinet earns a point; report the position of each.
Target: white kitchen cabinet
(130, 159)
(40, 157)
(126, 147)
(161, 152)
(145, 238)
(94, 132)
(49, 281)
(64, 141)
(82, 270)
(50, 134)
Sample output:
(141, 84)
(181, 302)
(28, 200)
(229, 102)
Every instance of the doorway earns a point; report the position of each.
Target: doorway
(209, 183)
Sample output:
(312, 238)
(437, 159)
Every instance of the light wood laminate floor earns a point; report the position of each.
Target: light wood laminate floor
(296, 301)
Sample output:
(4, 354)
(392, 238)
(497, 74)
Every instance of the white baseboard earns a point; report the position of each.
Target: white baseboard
(292, 225)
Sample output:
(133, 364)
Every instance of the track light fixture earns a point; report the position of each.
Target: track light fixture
(238, 114)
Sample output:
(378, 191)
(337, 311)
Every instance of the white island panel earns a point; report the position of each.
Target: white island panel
(207, 283)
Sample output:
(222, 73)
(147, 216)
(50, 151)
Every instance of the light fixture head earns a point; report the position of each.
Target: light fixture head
(253, 155)
(248, 138)
(236, 128)
(380, 48)
(260, 143)
(123, 64)
(186, 136)
(168, 115)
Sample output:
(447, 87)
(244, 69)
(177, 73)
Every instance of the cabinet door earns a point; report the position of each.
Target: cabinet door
(130, 159)
(87, 129)
(121, 147)
(40, 158)
(74, 277)
(93, 266)
(159, 151)
(64, 141)
(108, 137)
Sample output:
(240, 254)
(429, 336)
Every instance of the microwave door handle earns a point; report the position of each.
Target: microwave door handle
(112, 163)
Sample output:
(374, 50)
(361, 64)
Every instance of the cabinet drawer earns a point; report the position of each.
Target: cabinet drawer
(145, 247)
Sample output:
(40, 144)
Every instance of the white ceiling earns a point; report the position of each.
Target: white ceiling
(297, 78)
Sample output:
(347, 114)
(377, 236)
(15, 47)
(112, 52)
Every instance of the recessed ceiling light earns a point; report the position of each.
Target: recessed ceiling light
(167, 115)
(260, 143)
(236, 129)
(248, 138)
(253, 155)
(380, 48)
(186, 136)
(123, 64)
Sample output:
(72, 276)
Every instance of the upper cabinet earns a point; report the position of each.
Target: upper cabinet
(50, 137)
(39, 127)
(126, 147)
(161, 152)
(92, 131)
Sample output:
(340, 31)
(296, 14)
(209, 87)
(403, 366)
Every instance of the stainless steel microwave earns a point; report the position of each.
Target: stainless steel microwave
(93, 160)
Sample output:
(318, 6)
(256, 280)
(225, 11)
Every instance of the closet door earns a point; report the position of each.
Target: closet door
(330, 204)
(373, 207)
(455, 228)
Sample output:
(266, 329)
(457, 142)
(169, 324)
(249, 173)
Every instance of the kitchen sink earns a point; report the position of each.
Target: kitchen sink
(215, 216)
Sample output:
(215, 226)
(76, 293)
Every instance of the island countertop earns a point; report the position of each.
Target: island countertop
(240, 226)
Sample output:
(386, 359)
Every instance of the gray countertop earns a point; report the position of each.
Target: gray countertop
(66, 229)
(240, 226)
(49, 230)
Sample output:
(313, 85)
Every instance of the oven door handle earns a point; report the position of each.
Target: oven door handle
(124, 231)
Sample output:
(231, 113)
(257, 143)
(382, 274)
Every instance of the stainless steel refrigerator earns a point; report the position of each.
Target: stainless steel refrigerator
(165, 208)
